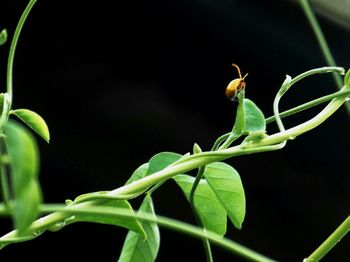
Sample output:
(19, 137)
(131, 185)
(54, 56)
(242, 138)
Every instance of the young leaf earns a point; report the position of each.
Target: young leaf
(255, 119)
(131, 223)
(240, 122)
(3, 36)
(208, 207)
(34, 121)
(161, 161)
(139, 173)
(24, 163)
(225, 181)
(135, 247)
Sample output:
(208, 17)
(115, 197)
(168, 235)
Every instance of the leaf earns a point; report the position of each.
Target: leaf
(208, 207)
(3, 36)
(255, 119)
(161, 161)
(347, 79)
(135, 247)
(130, 223)
(26, 205)
(24, 163)
(34, 121)
(139, 173)
(225, 181)
(240, 122)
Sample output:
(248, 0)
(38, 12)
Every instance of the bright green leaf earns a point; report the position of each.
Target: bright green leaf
(24, 163)
(240, 122)
(130, 223)
(3, 36)
(138, 249)
(161, 161)
(34, 121)
(255, 119)
(208, 207)
(225, 181)
(139, 173)
(347, 79)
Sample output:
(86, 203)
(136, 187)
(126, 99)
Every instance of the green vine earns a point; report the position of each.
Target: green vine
(215, 195)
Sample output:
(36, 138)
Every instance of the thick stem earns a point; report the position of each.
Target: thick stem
(330, 242)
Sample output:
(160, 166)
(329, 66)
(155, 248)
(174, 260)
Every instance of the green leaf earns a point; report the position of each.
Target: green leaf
(161, 161)
(155, 164)
(240, 122)
(255, 119)
(130, 223)
(138, 249)
(26, 205)
(225, 181)
(347, 79)
(24, 163)
(210, 210)
(34, 121)
(139, 173)
(3, 36)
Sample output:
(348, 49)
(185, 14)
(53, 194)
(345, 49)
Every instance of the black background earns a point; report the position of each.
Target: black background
(118, 82)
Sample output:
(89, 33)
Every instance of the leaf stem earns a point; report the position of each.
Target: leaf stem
(307, 105)
(13, 48)
(330, 242)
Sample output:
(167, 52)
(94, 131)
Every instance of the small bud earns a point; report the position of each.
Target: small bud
(196, 149)
(3, 37)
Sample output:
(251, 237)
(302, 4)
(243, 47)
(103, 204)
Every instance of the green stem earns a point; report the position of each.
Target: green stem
(190, 162)
(321, 39)
(178, 226)
(330, 242)
(205, 241)
(13, 47)
(44, 209)
(307, 105)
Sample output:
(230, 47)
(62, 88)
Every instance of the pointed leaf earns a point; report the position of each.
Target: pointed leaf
(34, 121)
(255, 119)
(3, 36)
(208, 207)
(135, 247)
(161, 161)
(139, 173)
(227, 185)
(24, 163)
(130, 223)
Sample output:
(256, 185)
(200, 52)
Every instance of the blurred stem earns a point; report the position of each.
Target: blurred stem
(330, 242)
(321, 41)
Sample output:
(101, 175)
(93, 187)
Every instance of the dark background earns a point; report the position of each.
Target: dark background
(118, 82)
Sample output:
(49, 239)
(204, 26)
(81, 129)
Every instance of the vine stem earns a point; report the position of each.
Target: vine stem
(185, 164)
(330, 242)
(13, 46)
(162, 221)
